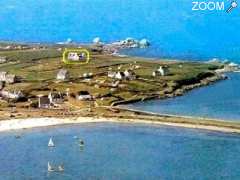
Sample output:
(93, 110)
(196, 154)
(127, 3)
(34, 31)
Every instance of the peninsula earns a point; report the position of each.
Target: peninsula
(36, 83)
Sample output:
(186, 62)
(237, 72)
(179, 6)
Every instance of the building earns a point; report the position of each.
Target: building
(73, 56)
(43, 102)
(3, 76)
(1, 85)
(129, 74)
(111, 74)
(120, 75)
(161, 71)
(83, 95)
(15, 95)
(63, 75)
(56, 98)
(11, 78)
(8, 78)
(3, 59)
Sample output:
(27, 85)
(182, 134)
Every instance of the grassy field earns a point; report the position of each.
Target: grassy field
(38, 70)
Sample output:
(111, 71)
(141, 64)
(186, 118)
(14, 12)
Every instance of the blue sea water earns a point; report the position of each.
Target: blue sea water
(120, 151)
(220, 100)
(173, 28)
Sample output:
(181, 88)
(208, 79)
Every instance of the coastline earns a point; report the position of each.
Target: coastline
(17, 124)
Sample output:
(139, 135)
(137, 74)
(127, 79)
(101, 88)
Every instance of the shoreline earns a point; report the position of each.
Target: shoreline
(29, 123)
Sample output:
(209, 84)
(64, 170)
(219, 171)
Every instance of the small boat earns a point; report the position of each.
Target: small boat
(17, 136)
(60, 168)
(50, 168)
(81, 143)
(75, 137)
(50, 143)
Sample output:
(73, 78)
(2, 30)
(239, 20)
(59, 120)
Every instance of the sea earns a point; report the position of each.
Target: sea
(123, 151)
(119, 151)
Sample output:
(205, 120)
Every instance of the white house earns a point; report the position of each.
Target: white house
(73, 56)
(3, 76)
(129, 74)
(15, 95)
(62, 75)
(120, 75)
(43, 102)
(162, 71)
(83, 95)
(3, 59)
(8, 78)
(11, 78)
(111, 74)
(55, 98)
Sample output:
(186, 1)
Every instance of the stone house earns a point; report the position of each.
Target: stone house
(8, 78)
(161, 71)
(63, 75)
(11, 78)
(15, 95)
(84, 95)
(120, 75)
(129, 74)
(3, 59)
(56, 98)
(43, 102)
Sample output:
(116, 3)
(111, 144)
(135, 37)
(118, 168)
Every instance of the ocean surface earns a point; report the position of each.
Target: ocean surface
(120, 151)
(174, 30)
(220, 100)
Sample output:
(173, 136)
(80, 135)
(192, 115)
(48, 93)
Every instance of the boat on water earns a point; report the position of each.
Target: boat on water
(50, 168)
(81, 143)
(50, 143)
(61, 168)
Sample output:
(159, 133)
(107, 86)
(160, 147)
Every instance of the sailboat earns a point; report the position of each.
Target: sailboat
(81, 143)
(60, 168)
(50, 168)
(50, 143)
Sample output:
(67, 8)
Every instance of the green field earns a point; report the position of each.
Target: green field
(38, 70)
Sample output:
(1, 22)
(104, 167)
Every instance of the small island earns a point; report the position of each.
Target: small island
(36, 83)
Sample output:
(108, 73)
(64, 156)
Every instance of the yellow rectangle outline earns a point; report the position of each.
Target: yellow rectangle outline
(75, 50)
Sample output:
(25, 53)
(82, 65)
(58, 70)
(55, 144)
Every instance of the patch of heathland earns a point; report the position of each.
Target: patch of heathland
(36, 79)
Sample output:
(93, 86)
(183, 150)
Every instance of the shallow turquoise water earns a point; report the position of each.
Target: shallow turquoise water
(120, 151)
(220, 100)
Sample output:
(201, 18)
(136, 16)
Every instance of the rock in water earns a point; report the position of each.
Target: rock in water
(97, 40)
(144, 43)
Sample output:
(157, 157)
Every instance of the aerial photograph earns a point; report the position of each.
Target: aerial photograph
(119, 90)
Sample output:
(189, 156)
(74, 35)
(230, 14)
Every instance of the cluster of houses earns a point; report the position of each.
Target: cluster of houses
(55, 99)
(74, 56)
(14, 47)
(161, 71)
(122, 75)
(7, 78)
(13, 95)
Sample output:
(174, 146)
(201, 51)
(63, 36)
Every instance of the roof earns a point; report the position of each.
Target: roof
(63, 71)
(44, 100)
(83, 93)
(56, 95)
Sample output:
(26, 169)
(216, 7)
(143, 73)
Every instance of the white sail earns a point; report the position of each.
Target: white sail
(60, 168)
(50, 143)
(50, 168)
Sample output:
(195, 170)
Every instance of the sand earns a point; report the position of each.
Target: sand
(14, 124)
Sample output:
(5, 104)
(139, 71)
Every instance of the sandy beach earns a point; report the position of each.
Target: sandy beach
(15, 124)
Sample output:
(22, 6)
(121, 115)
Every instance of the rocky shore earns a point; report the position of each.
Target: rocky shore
(114, 47)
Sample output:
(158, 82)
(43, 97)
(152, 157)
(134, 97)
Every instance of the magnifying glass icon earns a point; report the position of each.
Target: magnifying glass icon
(232, 6)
